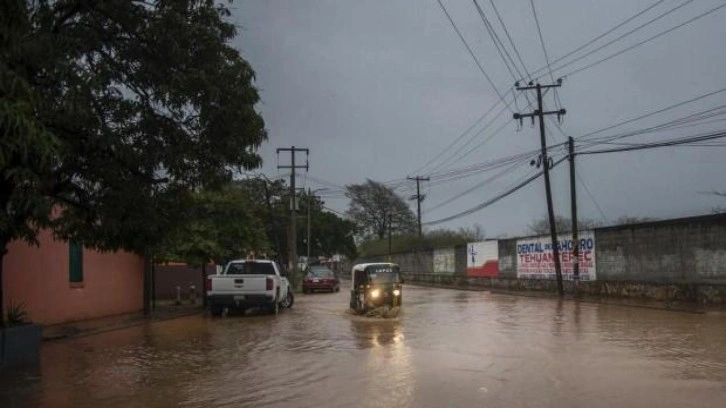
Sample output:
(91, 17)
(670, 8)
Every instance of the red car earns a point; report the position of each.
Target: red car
(320, 278)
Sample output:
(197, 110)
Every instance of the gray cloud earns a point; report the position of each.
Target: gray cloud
(376, 89)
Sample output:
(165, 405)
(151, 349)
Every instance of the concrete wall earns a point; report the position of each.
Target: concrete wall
(444, 261)
(508, 258)
(684, 250)
(671, 260)
(460, 255)
(38, 277)
(409, 262)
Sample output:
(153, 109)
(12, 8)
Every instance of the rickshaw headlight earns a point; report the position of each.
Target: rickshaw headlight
(375, 293)
(396, 292)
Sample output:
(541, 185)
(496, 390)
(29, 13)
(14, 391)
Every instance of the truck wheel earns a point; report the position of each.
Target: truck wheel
(288, 301)
(215, 310)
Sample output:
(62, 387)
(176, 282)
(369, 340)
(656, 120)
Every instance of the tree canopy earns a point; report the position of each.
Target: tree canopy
(373, 206)
(112, 110)
(217, 225)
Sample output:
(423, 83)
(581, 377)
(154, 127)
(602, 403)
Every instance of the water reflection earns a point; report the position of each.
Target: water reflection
(446, 348)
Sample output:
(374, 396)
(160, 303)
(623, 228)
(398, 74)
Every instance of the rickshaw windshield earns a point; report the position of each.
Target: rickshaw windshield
(383, 274)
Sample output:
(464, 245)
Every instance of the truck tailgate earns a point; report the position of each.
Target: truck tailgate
(239, 284)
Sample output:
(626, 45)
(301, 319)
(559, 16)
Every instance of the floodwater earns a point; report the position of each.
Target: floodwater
(445, 349)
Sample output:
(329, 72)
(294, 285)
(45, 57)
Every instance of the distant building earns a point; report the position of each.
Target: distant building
(63, 281)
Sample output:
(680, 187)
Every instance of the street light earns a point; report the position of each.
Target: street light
(310, 195)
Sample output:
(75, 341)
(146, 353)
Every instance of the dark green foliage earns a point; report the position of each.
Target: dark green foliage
(113, 110)
(441, 238)
(217, 225)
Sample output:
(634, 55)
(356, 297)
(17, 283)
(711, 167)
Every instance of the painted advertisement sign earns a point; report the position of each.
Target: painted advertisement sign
(535, 258)
(444, 260)
(482, 259)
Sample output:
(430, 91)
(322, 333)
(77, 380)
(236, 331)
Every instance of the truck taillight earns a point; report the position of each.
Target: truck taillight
(208, 284)
(270, 283)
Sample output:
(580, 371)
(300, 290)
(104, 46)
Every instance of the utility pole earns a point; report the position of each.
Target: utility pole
(293, 202)
(418, 197)
(390, 230)
(310, 204)
(271, 218)
(573, 204)
(540, 113)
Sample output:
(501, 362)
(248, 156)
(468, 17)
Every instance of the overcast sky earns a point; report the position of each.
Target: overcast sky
(376, 89)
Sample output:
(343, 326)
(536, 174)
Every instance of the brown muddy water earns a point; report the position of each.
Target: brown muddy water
(445, 349)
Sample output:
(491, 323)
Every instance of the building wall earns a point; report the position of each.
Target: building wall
(39, 278)
(168, 277)
(684, 250)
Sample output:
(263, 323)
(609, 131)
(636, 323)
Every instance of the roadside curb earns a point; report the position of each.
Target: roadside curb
(70, 331)
(686, 308)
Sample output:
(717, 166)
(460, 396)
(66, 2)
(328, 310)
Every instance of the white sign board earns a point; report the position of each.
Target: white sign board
(482, 259)
(535, 259)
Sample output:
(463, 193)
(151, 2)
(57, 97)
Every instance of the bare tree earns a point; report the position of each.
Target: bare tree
(373, 206)
(541, 226)
(473, 234)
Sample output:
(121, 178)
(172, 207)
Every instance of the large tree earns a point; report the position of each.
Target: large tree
(218, 225)
(329, 233)
(110, 111)
(373, 206)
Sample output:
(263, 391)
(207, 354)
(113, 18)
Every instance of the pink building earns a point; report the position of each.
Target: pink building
(62, 282)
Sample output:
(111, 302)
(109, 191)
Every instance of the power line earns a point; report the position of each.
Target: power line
(471, 52)
(461, 136)
(653, 20)
(713, 10)
(590, 42)
(478, 185)
(509, 37)
(667, 108)
(325, 183)
(336, 212)
(696, 119)
(453, 158)
(544, 49)
(667, 143)
(495, 199)
(498, 42)
(592, 197)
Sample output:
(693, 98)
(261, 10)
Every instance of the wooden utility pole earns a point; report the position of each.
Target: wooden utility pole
(418, 197)
(390, 230)
(573, 204)
(293, 201)
(310, 204)
(540, 114)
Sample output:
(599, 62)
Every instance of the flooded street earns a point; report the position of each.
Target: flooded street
(445, 349)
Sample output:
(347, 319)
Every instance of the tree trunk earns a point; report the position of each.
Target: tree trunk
(3, 251)
(147, 284)
(203, 285)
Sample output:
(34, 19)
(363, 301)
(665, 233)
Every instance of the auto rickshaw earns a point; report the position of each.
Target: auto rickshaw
(374, 286)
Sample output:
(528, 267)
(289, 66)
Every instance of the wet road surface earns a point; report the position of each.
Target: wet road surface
(445, 349)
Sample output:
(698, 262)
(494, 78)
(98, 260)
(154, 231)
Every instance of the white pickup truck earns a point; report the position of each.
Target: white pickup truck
(246, 284)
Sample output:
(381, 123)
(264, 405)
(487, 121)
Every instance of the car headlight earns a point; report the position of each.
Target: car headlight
(396, 292)
(375, 293)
